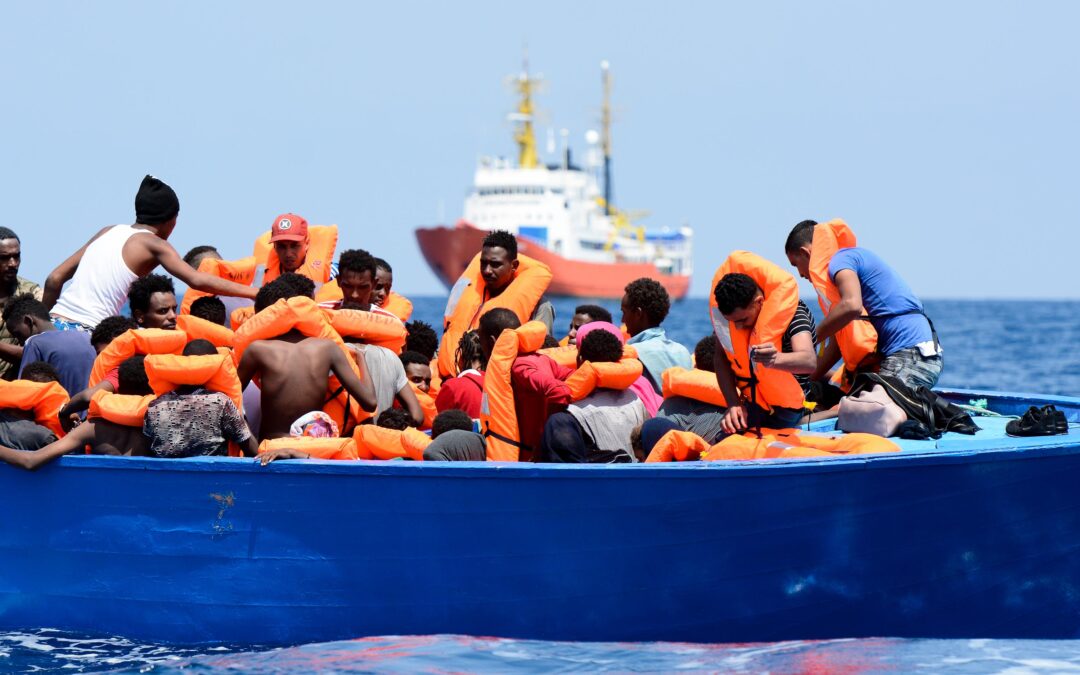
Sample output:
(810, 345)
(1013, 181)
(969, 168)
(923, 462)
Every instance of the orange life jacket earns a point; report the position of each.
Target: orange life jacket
(767, 387)
(368, 327)
(565, 355)
(427, 404)
(215, 372)
(396, 304)
(680, 446)
(700, 385)
(136, 341)
(128, 411)
(498, 418)
(319, 448)
(44, 399)
(468, 302)
(858, 339)
(590, 376)
(436, 381)
(303, 315)
(240, 315)
(322, 240)
(200, 329)
(373, 442)
(238, 271)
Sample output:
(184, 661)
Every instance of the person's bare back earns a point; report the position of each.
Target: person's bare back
(295, 371)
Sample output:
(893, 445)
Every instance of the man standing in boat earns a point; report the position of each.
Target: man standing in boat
(496, 278)
(102, 271)
(859, 290)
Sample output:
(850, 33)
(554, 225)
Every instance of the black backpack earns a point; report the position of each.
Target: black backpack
(921, 405)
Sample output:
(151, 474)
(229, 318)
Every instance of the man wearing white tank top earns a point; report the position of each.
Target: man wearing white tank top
(102, 271)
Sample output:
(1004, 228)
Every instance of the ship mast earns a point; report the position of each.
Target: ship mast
(524, 136)
(605, 139)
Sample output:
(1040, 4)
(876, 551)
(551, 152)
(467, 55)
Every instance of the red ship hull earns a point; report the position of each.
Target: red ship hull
(448, 251)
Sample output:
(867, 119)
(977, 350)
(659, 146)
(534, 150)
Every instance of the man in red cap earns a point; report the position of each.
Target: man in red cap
(300, 249)
(289, 235)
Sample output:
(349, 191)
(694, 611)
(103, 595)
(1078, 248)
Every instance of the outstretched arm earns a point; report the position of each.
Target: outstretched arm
(360, 387)
(54, 283)
(73, 442)
(847, 310)
(168, 258)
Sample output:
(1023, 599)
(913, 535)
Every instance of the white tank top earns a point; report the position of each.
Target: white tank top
(101, 282)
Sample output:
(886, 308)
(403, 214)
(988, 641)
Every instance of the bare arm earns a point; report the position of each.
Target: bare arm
(80, 402)
(73, 442)
(168, 258)
(248, 365)
(408, 401)
(735, 417)
(801, 360)
(250, 447)
(54, 283)
(847, 310)
(826, 360)
(360, 387)
(11, 353)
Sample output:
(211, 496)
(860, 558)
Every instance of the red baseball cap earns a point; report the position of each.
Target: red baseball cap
(289, 227)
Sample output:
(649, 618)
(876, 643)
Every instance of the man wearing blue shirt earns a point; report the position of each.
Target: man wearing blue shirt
(645, 305)
(907, 342)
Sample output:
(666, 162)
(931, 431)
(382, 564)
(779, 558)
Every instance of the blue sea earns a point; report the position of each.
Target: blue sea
(1029, 346)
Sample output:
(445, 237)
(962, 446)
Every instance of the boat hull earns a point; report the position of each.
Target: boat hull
(949, 545)
(448, 251)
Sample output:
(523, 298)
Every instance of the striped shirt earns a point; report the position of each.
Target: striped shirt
(802, 322)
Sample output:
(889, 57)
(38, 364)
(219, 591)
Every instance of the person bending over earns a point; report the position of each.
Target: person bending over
(584, 314)
(453, 439)
(102, 271)
(645, 305)
(210, 308)
(19, 428)
(69, 352)
(597, 428)
(110, 328)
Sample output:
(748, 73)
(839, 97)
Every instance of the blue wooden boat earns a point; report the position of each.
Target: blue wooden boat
(962, 537)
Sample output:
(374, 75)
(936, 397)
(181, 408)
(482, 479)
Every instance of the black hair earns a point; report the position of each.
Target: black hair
(705, 353)
(8, 233)
(194, 256)
(200, 347)
(143, 288)
(210, 308)
(110, 328)
(298, 284)
(600, 346)
(801, 235)
(549, 342)
(495, 321)
(284, 287)
(132, 377)
(469, 351)
(451, 419)
(734, 291)
(356, 260)
(650, 296)
(39, 371)
(421, 338)
(594, 312)
(409, 357)
(383, 265)
(23, 305)
(395, 418)
(504, 240)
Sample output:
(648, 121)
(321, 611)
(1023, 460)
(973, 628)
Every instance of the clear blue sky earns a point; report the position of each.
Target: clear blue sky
(945, 133)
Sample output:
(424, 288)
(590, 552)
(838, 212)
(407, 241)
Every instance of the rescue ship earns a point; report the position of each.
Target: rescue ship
(562, 215)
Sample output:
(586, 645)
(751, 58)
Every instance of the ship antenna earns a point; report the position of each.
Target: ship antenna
(524, 136)
(605, 125)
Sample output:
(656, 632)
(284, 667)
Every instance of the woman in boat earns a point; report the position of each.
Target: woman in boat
(466, 391)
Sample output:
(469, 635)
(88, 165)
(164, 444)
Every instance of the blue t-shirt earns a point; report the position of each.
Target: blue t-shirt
(884, 293)
(68, 351)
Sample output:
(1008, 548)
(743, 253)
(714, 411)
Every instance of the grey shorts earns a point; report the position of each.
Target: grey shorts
(912, 368)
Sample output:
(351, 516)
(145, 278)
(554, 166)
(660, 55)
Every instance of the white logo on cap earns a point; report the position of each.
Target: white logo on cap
(284, 224)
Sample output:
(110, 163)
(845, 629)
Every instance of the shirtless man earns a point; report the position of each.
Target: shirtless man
(105, 267)
(295, 372)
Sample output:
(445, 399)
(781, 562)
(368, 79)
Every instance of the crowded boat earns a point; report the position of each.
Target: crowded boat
(302, 351)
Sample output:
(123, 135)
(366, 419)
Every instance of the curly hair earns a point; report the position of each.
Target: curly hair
(23, 305)
(110, 328)
(284, 287)
(142, 289)
(132, 377)
(210, 308)
(421, 338)
(408, 358)
(356, 260)
(734, 291)
(200, 347)
(594, 312)
(495, 321)
(650, 296)
(600, 346)
(39, 371)
(451, 419)
(395, 418)
(504, 240)
(705, 353)
(801, 235)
